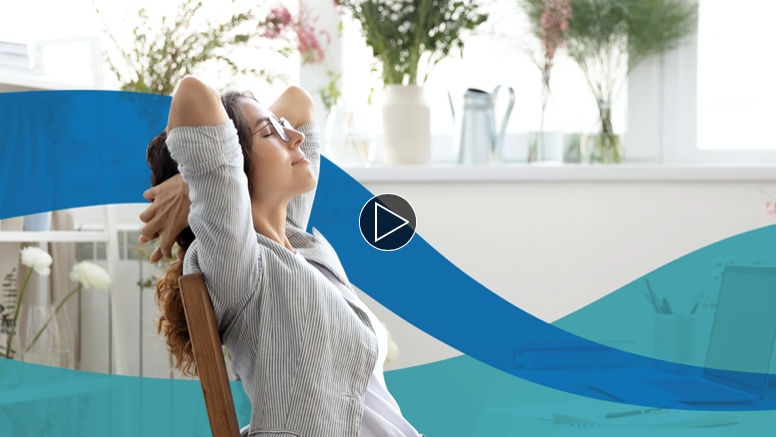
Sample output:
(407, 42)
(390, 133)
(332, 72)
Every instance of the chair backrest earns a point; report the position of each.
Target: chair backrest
(209, 356)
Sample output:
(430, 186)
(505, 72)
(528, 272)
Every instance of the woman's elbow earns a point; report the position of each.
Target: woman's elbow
(303, 104)
(195, 103)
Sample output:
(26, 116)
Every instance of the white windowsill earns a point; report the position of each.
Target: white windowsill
(10, 84)
(518, 172)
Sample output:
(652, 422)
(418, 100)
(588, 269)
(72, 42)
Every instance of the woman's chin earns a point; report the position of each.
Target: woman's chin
(313, 180)
(311, 183)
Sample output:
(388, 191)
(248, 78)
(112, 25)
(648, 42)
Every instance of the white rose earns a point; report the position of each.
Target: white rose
(90, 275)
(393, 348)
(37, 259)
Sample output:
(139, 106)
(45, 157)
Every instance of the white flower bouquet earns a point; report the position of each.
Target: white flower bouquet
(88, 276)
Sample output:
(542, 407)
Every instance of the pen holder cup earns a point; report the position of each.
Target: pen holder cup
(675, 341)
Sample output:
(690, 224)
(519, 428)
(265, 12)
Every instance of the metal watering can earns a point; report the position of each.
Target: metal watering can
(476, 141)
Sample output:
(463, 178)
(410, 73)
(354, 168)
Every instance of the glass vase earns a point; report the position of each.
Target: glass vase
(349, 139)
(48, 339)
(9, 335)
(604, 147)
(546, 144)
(11, 370)
(572, 151)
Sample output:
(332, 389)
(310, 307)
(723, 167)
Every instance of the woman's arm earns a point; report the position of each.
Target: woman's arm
(296, 106)
(204, 142)
(170, 208)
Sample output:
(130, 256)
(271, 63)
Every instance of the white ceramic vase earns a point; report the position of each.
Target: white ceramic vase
(406, 126)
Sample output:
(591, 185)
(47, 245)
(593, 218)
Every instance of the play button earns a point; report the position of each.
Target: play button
(387, 222)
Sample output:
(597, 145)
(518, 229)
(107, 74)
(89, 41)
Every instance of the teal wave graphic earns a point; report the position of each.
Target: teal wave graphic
(457, 397)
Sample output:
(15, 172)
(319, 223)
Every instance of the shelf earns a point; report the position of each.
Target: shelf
(51, 236)
(10, 84)
(520, 172)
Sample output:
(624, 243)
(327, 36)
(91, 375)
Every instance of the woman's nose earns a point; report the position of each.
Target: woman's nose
(295, 138)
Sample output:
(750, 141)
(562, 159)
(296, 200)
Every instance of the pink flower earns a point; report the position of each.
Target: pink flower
(553, 21)
(277, 23)
(337, 7)
(309, 45)
(299, 30)
(282, 14)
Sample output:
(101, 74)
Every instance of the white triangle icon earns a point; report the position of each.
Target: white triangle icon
(392, 230)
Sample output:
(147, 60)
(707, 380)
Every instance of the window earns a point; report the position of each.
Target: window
(707, 101)
(488, 61)
(714, 92)
(736, 89)
(70, 63)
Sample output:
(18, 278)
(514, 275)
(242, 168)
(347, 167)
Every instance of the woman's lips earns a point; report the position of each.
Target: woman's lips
(302, 159)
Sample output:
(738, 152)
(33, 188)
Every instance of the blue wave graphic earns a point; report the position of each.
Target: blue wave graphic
(440, 299)
(84, 148)
(67, 149)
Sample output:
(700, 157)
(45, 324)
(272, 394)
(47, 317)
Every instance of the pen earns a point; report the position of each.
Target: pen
(666, 307)
(655, 298)
(651, 302)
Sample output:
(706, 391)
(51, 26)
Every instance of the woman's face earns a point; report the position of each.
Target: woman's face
(281, 171)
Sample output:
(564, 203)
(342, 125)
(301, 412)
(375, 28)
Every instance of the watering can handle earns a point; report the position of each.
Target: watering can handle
(500, 137)
(452, 107)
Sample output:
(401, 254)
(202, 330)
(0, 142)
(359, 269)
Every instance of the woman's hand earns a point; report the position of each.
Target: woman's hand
(167, 215)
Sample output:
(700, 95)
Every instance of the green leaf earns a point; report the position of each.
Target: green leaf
(399, 38)
(156, 61)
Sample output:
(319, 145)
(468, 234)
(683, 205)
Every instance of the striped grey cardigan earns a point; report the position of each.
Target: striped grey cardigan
(303, 352)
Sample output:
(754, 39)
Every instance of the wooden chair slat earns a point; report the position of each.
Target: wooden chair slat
(209, 356)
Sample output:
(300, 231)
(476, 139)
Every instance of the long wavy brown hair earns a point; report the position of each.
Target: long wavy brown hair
(172, 323)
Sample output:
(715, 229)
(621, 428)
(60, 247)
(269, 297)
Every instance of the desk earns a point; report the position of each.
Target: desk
(523, 408)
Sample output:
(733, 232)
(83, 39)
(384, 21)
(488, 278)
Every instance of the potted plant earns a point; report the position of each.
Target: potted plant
(400, 33)
(157, 60)
(549, 22)
(45, 342)
(608, 39)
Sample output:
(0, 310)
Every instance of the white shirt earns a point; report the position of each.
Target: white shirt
(382, 416)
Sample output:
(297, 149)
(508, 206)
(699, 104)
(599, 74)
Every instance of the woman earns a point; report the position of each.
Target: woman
(308, 351)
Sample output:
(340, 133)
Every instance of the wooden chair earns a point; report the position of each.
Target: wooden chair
(209, 356)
